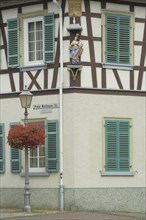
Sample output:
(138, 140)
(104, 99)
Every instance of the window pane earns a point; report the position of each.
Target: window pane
(31, 26)
(33, 163)
(39, 45)
(39, 55)
(33, 152)
(31, 46)
(31, 36)
(42, 162)
(31, 56)
(39, 35)
(42, 151)
(38, 25)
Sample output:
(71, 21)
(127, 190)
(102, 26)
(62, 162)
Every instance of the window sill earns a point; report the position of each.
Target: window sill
(30, 68)
(117, 66)
(35, 174)
(131, 173)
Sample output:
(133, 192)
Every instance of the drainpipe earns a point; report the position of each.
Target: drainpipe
(61, 109)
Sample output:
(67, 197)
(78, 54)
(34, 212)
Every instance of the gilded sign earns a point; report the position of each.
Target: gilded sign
(75, 8)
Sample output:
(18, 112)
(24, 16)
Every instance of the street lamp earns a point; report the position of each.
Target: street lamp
(26, 98)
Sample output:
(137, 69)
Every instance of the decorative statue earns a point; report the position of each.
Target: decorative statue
(76, 49)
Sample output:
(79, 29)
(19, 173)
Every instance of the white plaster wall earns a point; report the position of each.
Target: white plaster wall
(9, 14)
(86, 77)
(66, 76)
(140, 12)
(112, 82)
(11, 111)
(136, 75)
(50, 78)
(3, 60)
(117, 7)
(95, 7)
(96, 27)
(139, 31)
(99, 77)
(66, 23)
(85, 57)
(144, 81)
(66, 51)
(84, 139)
(137, 55)
(84, 25)
(4, 83)
(97, 48)
(32, 8)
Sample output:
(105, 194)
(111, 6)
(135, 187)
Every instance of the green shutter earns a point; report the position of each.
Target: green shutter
(13, 42)
(117, 39)
(2, 156)
(0, 49)
(124, 39)
(52, 146)
(111, 145)
(15, 156)
(49, 37)
(124, 145)
(117, 137)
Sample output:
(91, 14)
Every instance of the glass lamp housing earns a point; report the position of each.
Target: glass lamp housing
(25, 98)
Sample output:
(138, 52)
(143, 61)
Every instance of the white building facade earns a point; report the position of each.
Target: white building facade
(102, 159)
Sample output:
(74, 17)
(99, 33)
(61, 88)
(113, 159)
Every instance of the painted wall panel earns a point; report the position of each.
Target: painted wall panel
(139, 12)
(89, 133)
(117, 7)
(144, 81)
(84, 25)
(9, 13)
(96, 27)
(125, 79)
(99, 77)
(66, 55)
(85, 57)
(65, 26)
(3, 60)
(32, 8)
(95, 7)
(137, 55)
(4, 83)
(139, 31)
(98, 52)
(86, 77)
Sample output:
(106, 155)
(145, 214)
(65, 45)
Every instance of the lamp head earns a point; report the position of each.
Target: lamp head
(25, 98)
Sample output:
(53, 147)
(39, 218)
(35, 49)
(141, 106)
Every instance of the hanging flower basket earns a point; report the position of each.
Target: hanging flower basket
(30, 136)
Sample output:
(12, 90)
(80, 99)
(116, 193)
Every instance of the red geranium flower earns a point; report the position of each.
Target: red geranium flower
(30, 136)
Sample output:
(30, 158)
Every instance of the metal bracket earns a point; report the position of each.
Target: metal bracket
(74, 69)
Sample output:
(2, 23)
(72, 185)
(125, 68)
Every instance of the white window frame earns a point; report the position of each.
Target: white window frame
(26, 57)
(37, 169)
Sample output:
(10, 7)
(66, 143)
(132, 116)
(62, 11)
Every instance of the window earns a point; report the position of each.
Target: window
(44, 159)
(37, 155)
(2, 159)
(117, 145)
(117, 39)
(31, 40)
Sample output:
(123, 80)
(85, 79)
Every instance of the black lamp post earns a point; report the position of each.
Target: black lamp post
(26, 98)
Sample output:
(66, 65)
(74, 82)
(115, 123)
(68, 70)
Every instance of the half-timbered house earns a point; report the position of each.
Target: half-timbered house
(93, 111)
